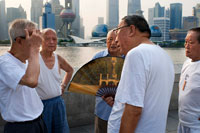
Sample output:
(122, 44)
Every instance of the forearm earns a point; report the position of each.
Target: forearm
(31, 75)
(130, 118)
(67, 78)
(32, 72)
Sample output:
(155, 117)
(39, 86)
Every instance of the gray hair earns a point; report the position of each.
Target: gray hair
(139, 22)
(197, 30)
(17, 27)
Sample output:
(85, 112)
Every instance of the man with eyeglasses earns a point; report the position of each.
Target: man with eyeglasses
(104, 105)
(20, 105)
(189, 85)
(144, 91)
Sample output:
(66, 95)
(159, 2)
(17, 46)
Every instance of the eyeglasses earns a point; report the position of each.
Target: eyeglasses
(116, 29)
(22, 37)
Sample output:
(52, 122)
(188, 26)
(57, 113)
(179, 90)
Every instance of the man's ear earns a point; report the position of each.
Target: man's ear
(18, 40)
(132, 30)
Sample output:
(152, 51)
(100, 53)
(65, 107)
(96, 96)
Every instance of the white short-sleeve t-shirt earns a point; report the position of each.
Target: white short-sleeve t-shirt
(189, 94)
(17, 102)
(146, 81)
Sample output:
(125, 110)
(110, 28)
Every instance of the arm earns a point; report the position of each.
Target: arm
(130, 118)
(33, 70)
(69, 71)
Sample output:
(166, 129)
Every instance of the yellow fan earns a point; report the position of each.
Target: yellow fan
(98, 77)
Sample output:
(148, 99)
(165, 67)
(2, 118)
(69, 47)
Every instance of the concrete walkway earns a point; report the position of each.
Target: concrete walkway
(172, 123)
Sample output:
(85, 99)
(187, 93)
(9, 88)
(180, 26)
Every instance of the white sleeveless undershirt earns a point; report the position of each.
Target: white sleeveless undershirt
(49, 80)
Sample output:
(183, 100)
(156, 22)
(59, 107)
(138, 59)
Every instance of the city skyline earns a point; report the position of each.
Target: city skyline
(98, 9)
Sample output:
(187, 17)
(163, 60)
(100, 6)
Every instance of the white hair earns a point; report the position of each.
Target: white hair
(46, 30)
(17, 27)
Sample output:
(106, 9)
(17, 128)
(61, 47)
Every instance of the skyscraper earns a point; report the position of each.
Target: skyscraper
(196, 11)
(15, 13)
(155, 12)
(36, 10)
(3, 24)
(56, 9)
(82, 29)
(76, 23)
(175, 15)
(158, 10)
(150, 16)
(133, 6)
(47, 20)
(112, 13)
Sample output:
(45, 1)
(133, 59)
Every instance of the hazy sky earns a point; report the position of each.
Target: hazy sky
(90, 10)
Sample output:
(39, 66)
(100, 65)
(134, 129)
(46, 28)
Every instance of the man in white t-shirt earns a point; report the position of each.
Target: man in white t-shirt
(20, 105)
(189, 85)
(143, 94)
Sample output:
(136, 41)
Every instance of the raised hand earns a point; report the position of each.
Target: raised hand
(34, 40)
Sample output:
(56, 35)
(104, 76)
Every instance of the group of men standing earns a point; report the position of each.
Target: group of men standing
(143, 94)
(30, 82)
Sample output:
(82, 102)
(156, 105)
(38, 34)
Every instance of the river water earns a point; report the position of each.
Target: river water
(78, 56)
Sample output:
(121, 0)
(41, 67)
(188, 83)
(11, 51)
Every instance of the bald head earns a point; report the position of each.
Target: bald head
(49, 40)
(44, 31)
(113, 50)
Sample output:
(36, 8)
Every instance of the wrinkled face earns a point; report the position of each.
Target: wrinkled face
(192, 46)
(111, 44)
(50, 41)
(122, 33)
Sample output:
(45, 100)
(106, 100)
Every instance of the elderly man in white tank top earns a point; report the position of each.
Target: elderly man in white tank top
(50, 87)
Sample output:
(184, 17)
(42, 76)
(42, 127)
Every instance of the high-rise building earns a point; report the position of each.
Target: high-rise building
(158, 10)
(175, 15)
(167, 13)
(150, 16)
(76, 23)
(133, 6)
(100, 20)
(164, 24)
(3, 23)
(189, 22)
(56, 9)
(82, 29)
(196, 13)
(155, 12)
(112, 13)
(36, 10)
(47, 20)
(15, 13)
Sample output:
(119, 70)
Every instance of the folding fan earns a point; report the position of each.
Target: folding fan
(99, 77)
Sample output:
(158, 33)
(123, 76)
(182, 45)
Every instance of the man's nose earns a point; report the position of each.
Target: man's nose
(116, 41)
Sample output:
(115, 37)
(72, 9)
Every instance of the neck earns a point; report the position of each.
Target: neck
(197, 59)
(17, 54)
(115, 54)
(46, 53)
(141, 39)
